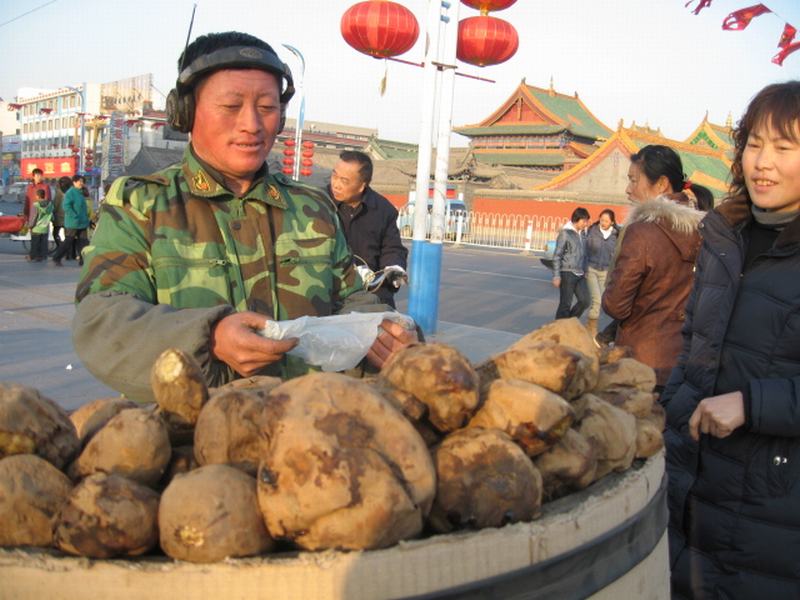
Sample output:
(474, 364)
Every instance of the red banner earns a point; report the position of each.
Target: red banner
(52, 167)
(700, 5)
(739, 19)
(787, 37)
(785, 51)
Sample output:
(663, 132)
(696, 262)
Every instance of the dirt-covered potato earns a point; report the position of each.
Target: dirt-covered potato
(613, 353)
(569, 465)
(90, 417)
(649, 432)
(440, 377)
(612, 433)
(344, 469)
(626, 372)
(629, 399)
(180, 391)
(404, 401)
(483, 480)
(32, 491)
(107, 516)
(534, 417)
(558, 368)
(567, 332)
(230, 430)
(259, 384)
(33, 424)
(134, 444)
(181, 461)
(210, 514)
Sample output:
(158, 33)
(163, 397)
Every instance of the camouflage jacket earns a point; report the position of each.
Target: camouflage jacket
(180, 242)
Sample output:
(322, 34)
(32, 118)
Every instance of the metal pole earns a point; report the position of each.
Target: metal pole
(298, 133)
(424, 270)
(83, 127)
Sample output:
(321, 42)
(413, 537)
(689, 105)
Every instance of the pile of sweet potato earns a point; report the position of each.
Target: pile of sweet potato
(324, 461)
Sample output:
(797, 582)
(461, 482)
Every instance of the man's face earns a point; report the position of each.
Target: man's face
(37, 178)
(236, 120)
(581, 224)
(771, 166)
(79, 184)
(346, 182)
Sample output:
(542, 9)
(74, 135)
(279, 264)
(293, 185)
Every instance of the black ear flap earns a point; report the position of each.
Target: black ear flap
(180, 110)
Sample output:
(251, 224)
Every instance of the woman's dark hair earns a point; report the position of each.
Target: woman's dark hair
(705, 199)
(610, 213)
(578, 214)
(64, 183)
(656, 161)
(777, 105)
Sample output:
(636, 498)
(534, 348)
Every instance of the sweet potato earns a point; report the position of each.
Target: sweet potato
(90, 418)
(484, 480)
(107, 516)
(440, 377)
(180, 391)
(212, 513)
(612, 433)
(569, 465)
(32, 491)
(344, 469)
(534, 417)
(33, 424)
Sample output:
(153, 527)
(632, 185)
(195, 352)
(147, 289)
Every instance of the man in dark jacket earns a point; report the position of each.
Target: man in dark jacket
(369, 220)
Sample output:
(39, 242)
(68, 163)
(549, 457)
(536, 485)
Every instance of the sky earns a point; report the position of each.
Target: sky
(649, 61)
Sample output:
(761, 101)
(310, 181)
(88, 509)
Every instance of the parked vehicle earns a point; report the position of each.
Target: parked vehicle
(15, 192)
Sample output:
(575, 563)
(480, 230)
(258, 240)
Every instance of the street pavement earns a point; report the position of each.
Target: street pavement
(36, 310)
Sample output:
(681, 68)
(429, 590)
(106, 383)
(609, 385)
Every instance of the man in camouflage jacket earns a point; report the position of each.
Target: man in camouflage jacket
(199, 255)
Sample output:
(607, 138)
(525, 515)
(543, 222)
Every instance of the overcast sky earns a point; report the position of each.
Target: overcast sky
(651, 61)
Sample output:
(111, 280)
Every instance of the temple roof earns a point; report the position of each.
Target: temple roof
(533, 110)
(701, 164)
(718, 137)
(528, 158)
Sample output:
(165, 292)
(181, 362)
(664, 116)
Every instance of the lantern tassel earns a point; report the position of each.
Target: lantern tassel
(382, 86)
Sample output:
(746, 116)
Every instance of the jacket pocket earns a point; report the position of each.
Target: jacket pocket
(305, 267)
(186, 282)
(774, 467)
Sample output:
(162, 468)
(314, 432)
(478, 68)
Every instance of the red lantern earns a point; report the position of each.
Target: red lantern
(486, 6)
(288, 142)
(287, 170)
(308, 153)
(307, 162)
(379, 28)
(486, 41)
(288, 161)
(288, 151)
(305, 172)
(308, 145)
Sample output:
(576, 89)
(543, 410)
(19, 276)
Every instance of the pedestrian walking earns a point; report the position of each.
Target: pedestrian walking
(64, 183)
(39, 225)
(733, 399)
(601, 241)
(647, 288)
(76, 222)
(37, 183)
(569, 266)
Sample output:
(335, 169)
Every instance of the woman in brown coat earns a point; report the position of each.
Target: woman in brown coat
(654, 270)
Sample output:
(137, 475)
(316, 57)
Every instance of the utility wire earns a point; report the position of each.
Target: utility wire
(27, 13)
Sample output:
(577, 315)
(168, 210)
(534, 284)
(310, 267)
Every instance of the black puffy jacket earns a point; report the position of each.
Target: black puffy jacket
(735, 502)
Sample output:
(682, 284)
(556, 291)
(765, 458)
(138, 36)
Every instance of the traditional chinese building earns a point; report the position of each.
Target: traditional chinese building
(603, 176)
(538, 129)
(717, 137)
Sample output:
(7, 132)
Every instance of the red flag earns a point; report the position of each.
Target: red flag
(739, 19)
(787, 37)
(786, 51)
(700, 5)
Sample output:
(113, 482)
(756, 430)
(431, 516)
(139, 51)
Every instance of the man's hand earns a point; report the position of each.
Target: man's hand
(392, 337)
(717, 415)
(556, 282)
(235, 342)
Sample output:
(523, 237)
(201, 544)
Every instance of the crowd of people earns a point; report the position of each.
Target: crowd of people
(64, 211)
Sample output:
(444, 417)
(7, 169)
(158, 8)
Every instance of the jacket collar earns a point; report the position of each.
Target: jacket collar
(679, 217)
(737, 213)
(206, 182)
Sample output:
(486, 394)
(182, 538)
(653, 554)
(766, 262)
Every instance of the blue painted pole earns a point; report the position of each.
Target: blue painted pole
(423, 292)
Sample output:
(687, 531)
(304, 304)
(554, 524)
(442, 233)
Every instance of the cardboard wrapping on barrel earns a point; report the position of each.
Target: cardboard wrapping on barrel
(413, 568)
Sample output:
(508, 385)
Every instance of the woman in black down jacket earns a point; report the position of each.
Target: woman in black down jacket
(733, 400)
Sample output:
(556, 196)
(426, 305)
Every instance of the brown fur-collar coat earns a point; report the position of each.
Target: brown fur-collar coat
(651, 280)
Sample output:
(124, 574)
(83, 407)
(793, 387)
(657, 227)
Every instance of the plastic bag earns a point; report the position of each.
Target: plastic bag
(334, 343)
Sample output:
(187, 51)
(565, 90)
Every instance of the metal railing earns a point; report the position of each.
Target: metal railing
(494, 230)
